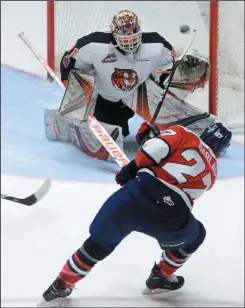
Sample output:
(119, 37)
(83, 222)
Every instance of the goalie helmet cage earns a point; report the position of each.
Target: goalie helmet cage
(220, 36)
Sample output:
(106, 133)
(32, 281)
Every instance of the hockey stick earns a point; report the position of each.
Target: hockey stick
(96, 128)
(168, 81)
(33, 198)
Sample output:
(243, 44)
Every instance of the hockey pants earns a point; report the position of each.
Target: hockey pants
(132, 209)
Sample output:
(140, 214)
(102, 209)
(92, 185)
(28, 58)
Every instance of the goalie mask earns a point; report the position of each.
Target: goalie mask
(125, 29)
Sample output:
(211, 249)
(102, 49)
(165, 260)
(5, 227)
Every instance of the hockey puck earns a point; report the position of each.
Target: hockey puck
(184, 28)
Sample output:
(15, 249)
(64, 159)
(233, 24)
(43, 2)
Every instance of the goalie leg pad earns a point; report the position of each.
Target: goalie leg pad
(86, 141)
(58, 127)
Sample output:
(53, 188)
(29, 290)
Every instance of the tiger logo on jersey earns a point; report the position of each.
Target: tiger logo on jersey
(124, 79)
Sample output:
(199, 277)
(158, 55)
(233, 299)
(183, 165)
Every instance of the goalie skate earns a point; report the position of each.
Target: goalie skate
(156, 284)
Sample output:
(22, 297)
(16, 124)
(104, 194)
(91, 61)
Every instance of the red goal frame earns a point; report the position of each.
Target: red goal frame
(213, 47)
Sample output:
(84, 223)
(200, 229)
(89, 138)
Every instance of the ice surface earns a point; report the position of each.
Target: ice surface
(26, 151)
(37, 241)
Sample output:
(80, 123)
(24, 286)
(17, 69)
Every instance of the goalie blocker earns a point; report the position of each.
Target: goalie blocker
(68, 122)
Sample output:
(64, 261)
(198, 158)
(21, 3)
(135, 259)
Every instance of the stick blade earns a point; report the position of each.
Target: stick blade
(42, 191)
(33, 198)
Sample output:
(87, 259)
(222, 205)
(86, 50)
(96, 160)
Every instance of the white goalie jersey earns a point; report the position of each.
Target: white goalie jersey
(100, 68)
(118, 75)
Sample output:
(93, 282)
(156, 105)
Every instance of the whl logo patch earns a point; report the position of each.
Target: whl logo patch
(66, 60)
(110, 58)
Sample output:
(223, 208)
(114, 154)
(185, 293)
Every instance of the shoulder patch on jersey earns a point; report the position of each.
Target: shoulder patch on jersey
(95, 37)
(66, 60)
(154, 37)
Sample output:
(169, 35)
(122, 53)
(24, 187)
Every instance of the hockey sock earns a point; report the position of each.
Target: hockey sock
(171, 261)
(77, 267)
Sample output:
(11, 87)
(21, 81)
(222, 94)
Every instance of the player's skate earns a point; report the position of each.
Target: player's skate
(158, 284)
(57, 290)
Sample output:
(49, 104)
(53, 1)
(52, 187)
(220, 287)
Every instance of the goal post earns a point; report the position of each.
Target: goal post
(213, 46)
(226, 56)
(220, 36)
(51, 34)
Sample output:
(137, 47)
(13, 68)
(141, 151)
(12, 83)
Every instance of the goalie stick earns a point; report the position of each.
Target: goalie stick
(94, 125)
(168, 81)
(33, 198)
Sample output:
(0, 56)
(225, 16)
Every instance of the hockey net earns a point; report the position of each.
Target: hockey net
(224, 44)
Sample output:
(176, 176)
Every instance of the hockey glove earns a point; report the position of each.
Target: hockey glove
(191, 61)
(146, 131)
(127, 173)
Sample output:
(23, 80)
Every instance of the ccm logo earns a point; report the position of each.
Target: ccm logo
(117, 154)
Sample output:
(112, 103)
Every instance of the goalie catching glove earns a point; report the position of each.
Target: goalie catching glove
(194, 67)
(146, 131)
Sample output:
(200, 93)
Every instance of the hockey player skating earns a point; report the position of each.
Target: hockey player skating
(159, 188)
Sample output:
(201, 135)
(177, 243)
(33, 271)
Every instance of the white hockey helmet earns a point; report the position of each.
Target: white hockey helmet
(125, 28)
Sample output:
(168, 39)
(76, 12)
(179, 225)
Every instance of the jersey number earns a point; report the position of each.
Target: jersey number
(179, 170)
